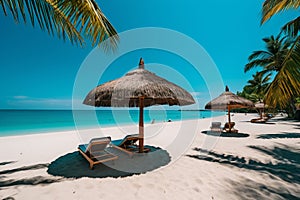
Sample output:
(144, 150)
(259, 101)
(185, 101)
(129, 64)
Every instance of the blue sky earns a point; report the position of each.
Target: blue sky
(38, 71)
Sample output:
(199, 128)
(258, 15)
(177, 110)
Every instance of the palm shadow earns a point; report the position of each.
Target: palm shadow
(278, 135)
(251, 189)
(6, 163)
(36, 180)
(73, 165)
(223, 134)
(285, 168)
(296, 125)
(24, 168)
(266, 123)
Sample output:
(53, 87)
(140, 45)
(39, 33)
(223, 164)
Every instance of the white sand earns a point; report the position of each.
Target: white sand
(264, 165)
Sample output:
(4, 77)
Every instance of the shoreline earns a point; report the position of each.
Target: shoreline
(74, 126)
(90, 129)
(48, 166)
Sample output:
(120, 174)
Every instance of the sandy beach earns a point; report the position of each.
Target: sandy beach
(186, 163)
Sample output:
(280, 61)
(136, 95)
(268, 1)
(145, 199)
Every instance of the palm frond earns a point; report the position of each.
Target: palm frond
(264, 71)
(72, 19)
(271, 58)
(272, 7)
(292, 27)
(273, 66)
(47, 15)
(286, 84)
(267, 39)
(256, 63)
(266, 78)
(90, 20)
(258, 84)
(259, 54)
(283, 89)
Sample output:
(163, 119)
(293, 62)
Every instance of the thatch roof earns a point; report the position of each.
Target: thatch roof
(226, 99)
(260, 105)
(125, 91)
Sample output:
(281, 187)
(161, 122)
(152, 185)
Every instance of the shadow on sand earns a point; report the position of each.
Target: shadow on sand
(5, 181)
(264, 123)
(278, 135)
(285, 168)
(73, 165)
(6, 163)
(250, 189)
(223, 134)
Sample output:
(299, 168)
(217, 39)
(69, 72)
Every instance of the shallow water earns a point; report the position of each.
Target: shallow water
(19, 122)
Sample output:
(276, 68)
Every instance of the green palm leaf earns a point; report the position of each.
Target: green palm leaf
(256, 63)
(286, 84)
(71, 19)
(272, 7)
(272, 58)
(259, 54)
(90, 20)
(292, 27)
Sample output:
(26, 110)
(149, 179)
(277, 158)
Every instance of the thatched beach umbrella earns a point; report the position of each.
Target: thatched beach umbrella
(228, 100)
(138, 88)
(260, 106)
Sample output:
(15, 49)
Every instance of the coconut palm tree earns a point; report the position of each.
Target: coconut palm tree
(72, 19)
(282, 57)
(272, 58)
(256, 87)
(286, 85)
(259, 84)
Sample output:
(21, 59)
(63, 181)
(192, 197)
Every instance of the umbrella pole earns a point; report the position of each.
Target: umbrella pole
(229, 120)
(261, 113)
(141, 125)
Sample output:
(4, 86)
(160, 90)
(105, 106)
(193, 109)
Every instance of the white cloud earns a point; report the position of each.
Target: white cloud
(20, 97)
(25, 102)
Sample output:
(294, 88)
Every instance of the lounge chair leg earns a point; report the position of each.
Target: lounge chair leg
(91, 166)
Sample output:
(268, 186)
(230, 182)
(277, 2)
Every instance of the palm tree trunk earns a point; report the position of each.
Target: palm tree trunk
(292, 109)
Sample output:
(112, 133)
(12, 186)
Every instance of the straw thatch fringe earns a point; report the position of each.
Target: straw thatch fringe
(125, 91)
(228, 99)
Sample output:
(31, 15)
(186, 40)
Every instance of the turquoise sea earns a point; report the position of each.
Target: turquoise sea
(20, 122)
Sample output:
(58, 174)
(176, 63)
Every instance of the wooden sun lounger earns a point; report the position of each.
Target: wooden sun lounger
(95, 152)
(128, 144)
(226, 127)
(259, 120)
(216, 127)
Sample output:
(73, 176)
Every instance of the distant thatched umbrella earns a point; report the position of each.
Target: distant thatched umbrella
(228, 100)
(260, 106)
(138, 88)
